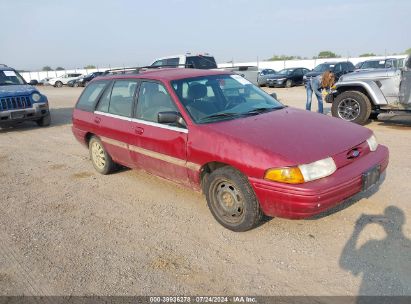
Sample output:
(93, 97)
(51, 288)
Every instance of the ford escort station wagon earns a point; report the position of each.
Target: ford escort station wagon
(215, 131)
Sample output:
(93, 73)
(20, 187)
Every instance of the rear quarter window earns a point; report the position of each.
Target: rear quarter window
(90, 95)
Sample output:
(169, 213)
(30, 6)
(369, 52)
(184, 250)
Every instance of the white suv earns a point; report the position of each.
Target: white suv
(60, 81)
(199, 61)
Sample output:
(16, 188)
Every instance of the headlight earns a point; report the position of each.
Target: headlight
(302, 173)
(36, 97)
(372, 143)
(318, 169)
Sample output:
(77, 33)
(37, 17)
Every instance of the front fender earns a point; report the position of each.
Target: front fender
(373, 91)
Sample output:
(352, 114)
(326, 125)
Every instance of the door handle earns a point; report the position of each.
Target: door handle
(97, 120)
(139, 130)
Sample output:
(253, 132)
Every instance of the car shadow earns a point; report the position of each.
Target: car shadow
(350, 201)
(59, 117)
(385, 264)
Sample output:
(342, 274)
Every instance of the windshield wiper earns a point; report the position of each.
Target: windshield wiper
(262, 110)
(219, 115)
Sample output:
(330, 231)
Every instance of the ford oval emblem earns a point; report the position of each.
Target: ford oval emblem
(353, 154)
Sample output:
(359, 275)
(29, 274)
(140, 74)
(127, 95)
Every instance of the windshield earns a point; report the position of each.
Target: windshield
(286, 71)
(221, 97)
(377, 64)
(324, 67)
(11, 78)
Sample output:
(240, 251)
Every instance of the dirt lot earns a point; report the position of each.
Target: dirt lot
(65, 229)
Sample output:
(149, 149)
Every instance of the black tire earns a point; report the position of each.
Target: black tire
(232, 200)
(288, 83)
(45, 121)
(101, 160)
(58, 84)
(76, 85)
(352, 106)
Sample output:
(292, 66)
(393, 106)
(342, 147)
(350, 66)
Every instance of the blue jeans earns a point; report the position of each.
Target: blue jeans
(313, 85)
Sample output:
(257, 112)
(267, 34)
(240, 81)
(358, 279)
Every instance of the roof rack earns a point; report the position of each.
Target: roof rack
(137, 70)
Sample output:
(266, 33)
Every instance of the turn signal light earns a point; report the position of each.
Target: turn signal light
(289, 175)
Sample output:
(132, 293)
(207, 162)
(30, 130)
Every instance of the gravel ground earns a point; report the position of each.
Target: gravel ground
(66, 230)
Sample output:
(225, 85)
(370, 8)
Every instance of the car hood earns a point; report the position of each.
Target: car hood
(16, 90)
(371, 74)
(277, 76)
(290, 135)
(312, 74)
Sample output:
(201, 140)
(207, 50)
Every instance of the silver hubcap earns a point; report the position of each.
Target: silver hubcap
(229, 201)
(98, 156)
(349, 109)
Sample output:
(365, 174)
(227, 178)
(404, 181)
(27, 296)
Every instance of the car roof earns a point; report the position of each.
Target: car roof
(5, 68)
(169, 74)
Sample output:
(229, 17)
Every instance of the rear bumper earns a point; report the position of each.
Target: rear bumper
(305, 200)
(37, 111)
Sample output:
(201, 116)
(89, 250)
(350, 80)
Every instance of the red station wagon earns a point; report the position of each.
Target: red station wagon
(214, 131)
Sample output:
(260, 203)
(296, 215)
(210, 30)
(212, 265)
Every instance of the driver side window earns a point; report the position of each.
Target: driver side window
(152, 99)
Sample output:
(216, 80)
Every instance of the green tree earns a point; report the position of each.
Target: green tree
(327, 54)
(60, 69)
(408, 52)
(283, 57)
(89, 66)
(47, 68)
(367, 55)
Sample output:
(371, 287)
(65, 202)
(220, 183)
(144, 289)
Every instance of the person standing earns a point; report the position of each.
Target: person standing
(313, 84)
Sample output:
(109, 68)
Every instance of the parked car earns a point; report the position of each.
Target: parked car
(62, 80)
(73, 81)
(382, 92)
(215, 131)
(262, 76)
(387, 63)
(82, 81)
(44, 81)
(20, 101)
(287, 78)
(199, 61)
(338, 68)
(248, 72)
(358, 65)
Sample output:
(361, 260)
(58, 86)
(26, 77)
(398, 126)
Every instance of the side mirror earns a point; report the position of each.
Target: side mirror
(171, 117)
(274, 95)
(33, 82)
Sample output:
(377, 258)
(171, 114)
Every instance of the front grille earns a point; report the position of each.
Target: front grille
(15, 103)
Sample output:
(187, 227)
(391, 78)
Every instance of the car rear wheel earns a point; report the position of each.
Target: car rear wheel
(45, 121)
(231, 199)
(75, 84)
(288, 83)
(352, 106)
(101, 160)
(58, 84)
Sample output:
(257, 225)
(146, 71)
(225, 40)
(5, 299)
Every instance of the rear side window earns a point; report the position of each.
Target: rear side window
(90, 96)
(122, 97)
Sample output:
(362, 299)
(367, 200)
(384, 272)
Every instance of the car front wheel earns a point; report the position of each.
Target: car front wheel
(288, 83)
(352, 106)
(58, 84)
(101, 160)
(231, 199)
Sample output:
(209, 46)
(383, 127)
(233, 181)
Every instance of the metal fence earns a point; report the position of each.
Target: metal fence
(276, 65)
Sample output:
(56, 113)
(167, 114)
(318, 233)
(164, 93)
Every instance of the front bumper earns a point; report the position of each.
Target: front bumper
(308, 199)
(275, 83)
(37, 111)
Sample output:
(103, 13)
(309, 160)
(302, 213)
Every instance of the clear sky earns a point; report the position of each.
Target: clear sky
(74, 33)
